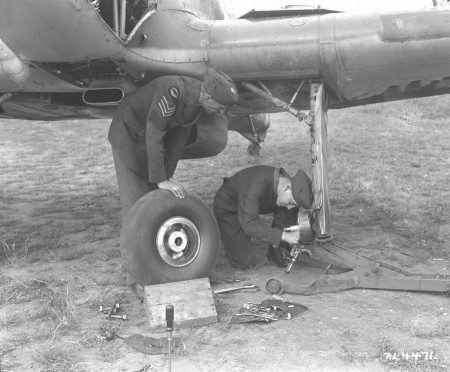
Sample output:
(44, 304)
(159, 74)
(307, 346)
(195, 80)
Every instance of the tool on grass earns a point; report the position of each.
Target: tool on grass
(235, 288)
(169, 321)
(111, 316)
(113, 308)
(111, 312)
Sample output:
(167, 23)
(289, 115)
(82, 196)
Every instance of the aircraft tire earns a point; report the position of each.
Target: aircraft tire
(166, 239)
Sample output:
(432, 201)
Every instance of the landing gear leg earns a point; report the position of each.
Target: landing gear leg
(319, 162)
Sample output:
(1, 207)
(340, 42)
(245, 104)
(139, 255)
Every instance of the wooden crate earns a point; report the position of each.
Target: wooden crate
(192, 300)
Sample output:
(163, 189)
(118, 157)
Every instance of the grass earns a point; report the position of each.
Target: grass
(61, 308)
(54, 304)
(10, 255)
(6, 364)
(17, 290)
(430, 327)
(394, 172)
(56, 358)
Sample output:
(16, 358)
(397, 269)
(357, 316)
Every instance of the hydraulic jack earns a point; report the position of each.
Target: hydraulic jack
(356, 271)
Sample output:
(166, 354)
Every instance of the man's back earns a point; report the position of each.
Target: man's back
(254, 185)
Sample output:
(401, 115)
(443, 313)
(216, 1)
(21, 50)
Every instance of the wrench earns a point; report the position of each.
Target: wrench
(234, 289)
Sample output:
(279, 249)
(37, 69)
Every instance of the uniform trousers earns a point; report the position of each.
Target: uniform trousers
(132, 186)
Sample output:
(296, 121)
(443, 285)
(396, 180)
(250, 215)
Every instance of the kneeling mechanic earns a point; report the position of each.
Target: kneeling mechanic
(253, 191)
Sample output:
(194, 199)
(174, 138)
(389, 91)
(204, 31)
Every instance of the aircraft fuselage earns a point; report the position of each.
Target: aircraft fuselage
(361, 58)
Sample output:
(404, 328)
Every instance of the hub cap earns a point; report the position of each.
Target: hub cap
(178, 241)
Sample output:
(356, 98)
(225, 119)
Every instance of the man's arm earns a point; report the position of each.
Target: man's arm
(175, 141)
(160, 113)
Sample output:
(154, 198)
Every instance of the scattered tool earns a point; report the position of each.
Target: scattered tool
(267, 311)
(113, 308)
(111, 311)
(169, 321)
(123, 317)
(235, 288)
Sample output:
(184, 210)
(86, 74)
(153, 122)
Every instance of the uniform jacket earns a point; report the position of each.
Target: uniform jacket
(153, 123)
(249, 193)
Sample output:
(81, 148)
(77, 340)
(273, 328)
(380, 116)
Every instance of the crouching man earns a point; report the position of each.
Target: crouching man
(257, 190)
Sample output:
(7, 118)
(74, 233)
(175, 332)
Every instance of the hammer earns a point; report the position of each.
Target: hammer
(169, 321)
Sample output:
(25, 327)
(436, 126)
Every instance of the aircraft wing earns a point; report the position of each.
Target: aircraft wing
(49, 30)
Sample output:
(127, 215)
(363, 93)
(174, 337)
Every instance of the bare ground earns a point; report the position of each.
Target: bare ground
(60, 257)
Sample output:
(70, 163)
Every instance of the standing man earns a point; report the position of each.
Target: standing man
(259, 190)
(152, 125)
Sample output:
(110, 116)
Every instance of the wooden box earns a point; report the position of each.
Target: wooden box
(192, 300)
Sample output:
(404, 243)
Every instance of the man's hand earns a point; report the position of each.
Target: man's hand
(291, 237)
(174, 187)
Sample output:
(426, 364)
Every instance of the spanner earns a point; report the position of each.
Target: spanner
(235, 289)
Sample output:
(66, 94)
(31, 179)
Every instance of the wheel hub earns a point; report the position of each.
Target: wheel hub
(178, 241)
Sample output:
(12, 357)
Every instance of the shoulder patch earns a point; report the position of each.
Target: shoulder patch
(165, 107)
(174, 92)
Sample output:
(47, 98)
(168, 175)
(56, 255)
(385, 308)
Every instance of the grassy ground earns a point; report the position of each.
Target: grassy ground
(395, 167)
(60, 259)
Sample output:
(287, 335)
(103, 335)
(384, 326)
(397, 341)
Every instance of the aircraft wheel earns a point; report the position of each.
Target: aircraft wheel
(167, 239)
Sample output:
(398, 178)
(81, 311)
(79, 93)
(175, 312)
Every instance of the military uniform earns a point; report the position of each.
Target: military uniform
(237, 206)
(148, 134)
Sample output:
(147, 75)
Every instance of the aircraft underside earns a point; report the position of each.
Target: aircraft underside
(361, 58)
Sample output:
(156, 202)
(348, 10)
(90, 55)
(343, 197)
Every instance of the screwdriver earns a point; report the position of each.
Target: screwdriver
(169, 321)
